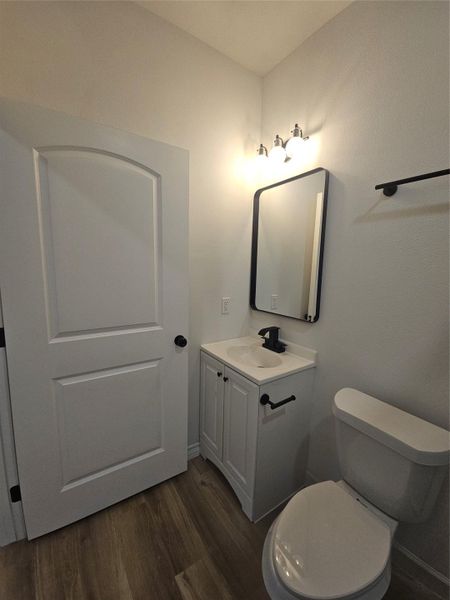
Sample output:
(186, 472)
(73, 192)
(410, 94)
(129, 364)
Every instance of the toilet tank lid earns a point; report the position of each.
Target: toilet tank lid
(415, 439)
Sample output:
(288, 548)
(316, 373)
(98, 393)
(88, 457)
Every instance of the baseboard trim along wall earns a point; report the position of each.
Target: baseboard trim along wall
(193, 450)
(415, 567)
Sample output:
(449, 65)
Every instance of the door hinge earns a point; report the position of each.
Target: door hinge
(15, 494)
(2, 338)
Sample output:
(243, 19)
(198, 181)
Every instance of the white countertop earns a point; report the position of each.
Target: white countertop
(293, 360)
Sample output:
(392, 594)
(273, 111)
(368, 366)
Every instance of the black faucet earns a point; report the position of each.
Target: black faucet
(272, 342)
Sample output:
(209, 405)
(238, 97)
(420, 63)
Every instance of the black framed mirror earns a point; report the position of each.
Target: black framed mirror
(287, 246)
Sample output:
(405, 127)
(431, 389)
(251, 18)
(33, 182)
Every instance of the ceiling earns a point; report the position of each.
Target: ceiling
(257, 34)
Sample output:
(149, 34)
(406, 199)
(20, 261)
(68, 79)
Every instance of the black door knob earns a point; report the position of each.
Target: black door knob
(180, 341)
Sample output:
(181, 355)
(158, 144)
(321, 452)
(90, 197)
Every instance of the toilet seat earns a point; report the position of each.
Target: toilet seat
(326, 545)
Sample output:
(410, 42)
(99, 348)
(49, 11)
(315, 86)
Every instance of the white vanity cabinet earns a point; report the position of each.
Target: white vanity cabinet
(229, 422)
(261, 451)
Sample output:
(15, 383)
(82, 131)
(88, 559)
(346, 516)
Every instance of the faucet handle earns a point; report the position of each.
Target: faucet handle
(271, 330)
(272, 342)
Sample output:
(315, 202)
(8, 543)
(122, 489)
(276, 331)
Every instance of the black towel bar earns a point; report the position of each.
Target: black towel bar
(265, 399)
(391, 187)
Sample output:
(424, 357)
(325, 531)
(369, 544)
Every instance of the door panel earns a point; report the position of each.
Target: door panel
(240, 428)
(211, 416)
(99, 235)
(93, 245)
(94, 420)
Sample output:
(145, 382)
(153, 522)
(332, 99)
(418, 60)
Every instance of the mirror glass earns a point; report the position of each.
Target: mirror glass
(287, 246)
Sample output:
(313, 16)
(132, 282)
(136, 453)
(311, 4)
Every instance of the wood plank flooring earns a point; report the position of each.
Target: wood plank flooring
(186, 539)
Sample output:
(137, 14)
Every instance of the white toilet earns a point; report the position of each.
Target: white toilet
(333, 540)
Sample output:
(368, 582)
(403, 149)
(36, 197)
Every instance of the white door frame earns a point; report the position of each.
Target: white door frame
(12, 525)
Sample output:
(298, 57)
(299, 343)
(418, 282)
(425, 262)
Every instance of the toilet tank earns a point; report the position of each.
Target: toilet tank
(393, 459)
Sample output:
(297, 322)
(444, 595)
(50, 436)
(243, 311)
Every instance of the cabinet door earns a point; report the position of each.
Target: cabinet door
(240, 429)
(211, 404)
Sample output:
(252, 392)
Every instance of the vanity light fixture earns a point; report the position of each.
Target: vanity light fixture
(261, 154)
(295, 144)
(282, 151)
(277, 152)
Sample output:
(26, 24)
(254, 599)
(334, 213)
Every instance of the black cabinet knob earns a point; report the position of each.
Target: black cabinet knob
(219, 374)
(225, 379)
(180, 341)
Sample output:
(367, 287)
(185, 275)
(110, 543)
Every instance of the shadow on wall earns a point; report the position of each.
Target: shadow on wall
(323, 433)
(434, 533)
(407, 202)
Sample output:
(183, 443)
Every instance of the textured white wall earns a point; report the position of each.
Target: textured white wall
(120, 65)
(371, 88)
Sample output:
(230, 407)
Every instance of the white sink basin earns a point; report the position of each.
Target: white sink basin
(254, 355)
(247, 356)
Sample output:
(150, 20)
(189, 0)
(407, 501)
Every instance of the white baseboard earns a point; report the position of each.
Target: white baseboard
(425, 566)
(193, 450)
(421, 571)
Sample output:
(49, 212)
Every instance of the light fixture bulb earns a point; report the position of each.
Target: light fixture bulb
(294, 145)
(277, 153)
(261, 155)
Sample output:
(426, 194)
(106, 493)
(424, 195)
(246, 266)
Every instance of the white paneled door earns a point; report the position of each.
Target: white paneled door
(93, 274)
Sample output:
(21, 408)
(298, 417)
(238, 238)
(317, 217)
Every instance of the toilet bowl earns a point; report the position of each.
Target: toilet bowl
(328, 544)
(333, 540)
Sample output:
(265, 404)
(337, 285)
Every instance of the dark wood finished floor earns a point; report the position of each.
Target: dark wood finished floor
(186, 539)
